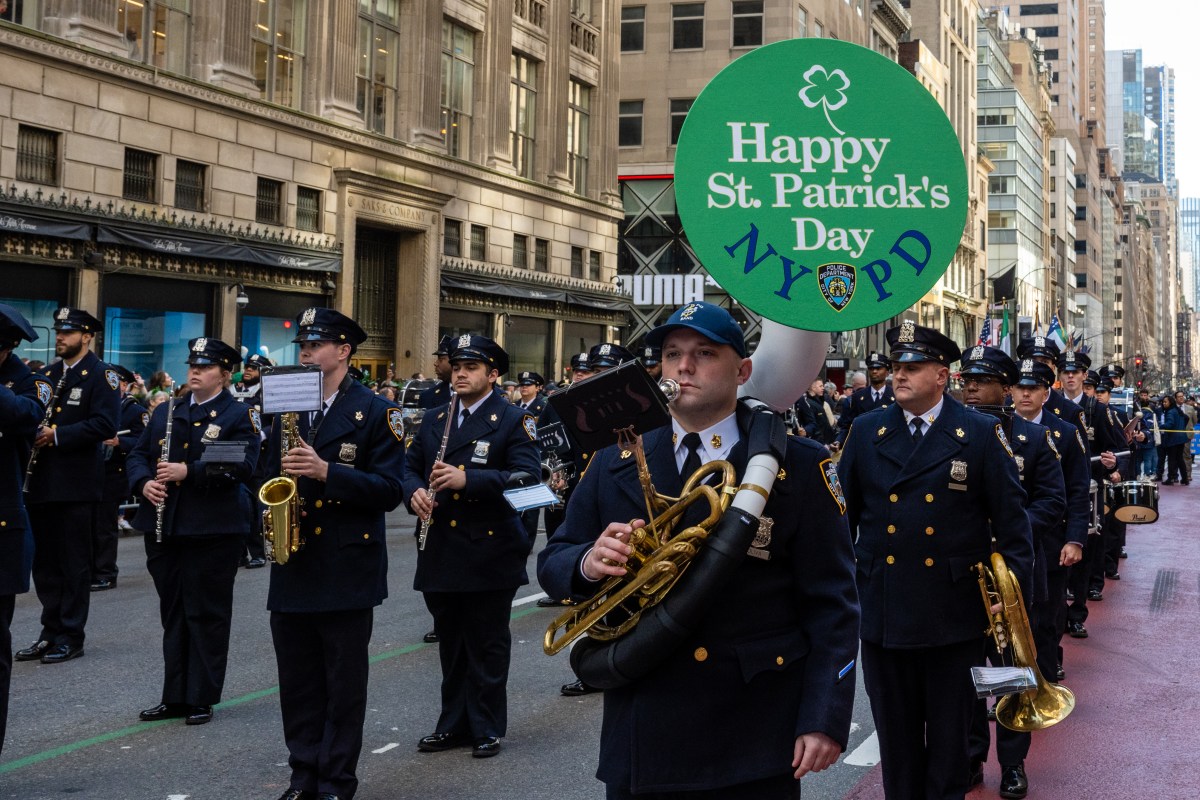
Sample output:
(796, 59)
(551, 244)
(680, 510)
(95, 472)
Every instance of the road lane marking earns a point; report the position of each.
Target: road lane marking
(143, 727)
(523, 600)
(866, 754)
(386, 747)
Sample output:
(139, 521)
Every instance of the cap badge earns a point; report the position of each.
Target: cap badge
(63, 313)
(958, 471)
(1039, 341)
(524, 375)
(308, 317)
(977, 353)
(1027, 365)
(464, 340)
(605, 349)
(688, 312)
(908, 332)
(200, 344)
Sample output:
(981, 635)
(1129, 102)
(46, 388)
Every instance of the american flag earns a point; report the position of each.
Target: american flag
(985, 333)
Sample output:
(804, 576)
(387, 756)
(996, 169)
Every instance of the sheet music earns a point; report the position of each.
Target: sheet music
(291, 391)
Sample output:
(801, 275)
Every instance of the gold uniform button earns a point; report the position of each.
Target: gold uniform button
(928, 498)
(366, 536)
(456, 495)
(491, 533)
(3, 523)
(779, 660)
(701, 654)
(453, 523)
(317, 530)
(891, 528)
(58, 410)
(929, 562)
(891, 559)
(893, 497)
(929, 531)
(318, 504)
(462, 466)
(195, 424)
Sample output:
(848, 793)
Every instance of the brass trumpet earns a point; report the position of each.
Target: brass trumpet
(1046, 703)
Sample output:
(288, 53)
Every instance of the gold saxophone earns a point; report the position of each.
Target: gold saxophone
(281, 519)
(1046, 703)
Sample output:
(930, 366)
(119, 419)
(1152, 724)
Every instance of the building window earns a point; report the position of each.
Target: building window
(308, 209)
(747, 23)
(629, 123)
(141, 176)
(576, 262)
(452, 238)
(679, 110)
(523, 113)
(278, 35)
(378, 64)
(578, 118)
(268, 202)
(37, 155)
(801, 23)
(687, 26)
(541, 255)
(593, 265)
(190, 183)
(478, 243)
(633, 29)
(458, 78)
(520, 251)
(818, 30)
(156, 32)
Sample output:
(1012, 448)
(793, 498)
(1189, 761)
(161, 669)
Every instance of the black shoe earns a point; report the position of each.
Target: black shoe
(1095, 594)
(1168, 483)
(430, 638)
(485, 748)
(1113, 576)
(256, 563)
(296, 794)
(550, 602)
(437, 742)
(60, 653)
(198, 715)
(243, 561)
(1013, 782)
(577, 689)
(104, 584)
(1070, 595)
(327, 796)
(33, 652)
(1076, 630)
(165, 711)
(975, 776)
(1123, 553)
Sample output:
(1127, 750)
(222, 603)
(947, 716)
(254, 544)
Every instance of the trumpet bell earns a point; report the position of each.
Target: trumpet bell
(277, 490)
(1036, 709)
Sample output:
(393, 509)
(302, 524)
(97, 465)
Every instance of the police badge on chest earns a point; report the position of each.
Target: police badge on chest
(762, 539)
(481, 452)
(75, 397)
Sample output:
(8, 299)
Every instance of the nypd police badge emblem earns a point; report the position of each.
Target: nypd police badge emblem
(308, 317)
(44, 392)
(908, 332)
(63, 313)
(837, 282)
(113, 379)
(200, 344)
(833, 484)
(396, 423)
(212, 432)
(348, 451)
(530, 425)
(958, 471)
(464, 340)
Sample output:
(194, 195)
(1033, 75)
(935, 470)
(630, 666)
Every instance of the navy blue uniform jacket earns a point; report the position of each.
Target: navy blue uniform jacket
(763, 668)
(201, 504)
(1077, 479)
(924, 517)
(23, 398)
(434, 396)
(861, 401)
(133, 419)
(85, 414)
(476, 542)
(343, 564)
(536, 406)
(1042, 479)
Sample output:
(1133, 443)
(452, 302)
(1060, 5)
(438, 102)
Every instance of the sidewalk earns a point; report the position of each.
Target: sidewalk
(1135, 730)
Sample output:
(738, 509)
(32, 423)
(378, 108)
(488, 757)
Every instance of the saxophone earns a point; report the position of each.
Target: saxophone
(281, 519)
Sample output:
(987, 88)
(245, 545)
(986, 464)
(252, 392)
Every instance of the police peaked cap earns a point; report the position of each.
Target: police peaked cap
(531, 379)
(472, 347)
(579, 363)
(1112, 371)
(204, 350)
(1037, 347)
(327, 325)
(876, 360)
(911, 343)
(14, 327)
(1071, 361)
(76, 319)
(1091, 378)
(651, 355)
(445, 345)
(608, 355)
(983, 360)
(258, 361)
(122, 373)
(1035, 373)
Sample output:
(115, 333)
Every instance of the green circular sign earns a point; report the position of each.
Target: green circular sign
(821, 184)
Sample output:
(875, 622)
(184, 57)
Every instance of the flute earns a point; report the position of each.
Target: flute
(160, 508)
(423, 532)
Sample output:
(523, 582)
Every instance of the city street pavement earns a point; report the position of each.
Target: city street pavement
(73, 728)
(1133, 733)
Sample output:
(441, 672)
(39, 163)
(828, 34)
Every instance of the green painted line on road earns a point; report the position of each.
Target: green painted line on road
(142, 727)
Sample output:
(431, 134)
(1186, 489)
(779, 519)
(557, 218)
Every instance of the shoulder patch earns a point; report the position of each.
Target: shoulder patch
(114, 380)
(1079, 438)
(145, 418)
(1053, 449)
(530, 425)
(45, 392)
(255, 419)
(395, 419)
(833, 484)
(1003, 439)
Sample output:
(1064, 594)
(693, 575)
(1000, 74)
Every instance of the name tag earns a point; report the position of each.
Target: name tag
(958, 487)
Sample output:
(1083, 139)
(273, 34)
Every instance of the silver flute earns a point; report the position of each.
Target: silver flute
(161, 508)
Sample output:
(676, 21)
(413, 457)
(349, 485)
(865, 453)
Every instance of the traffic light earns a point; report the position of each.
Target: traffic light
(1137, 362)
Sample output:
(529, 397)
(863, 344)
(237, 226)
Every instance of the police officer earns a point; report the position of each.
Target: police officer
(439, 393)
(987, 374)
(194, 564)
(105, 533)
(579, 367)
(255, 556)
(66, 483)
(928, 485)
(1045, 351)
(651, 358)
(1114, 529)
(348, 471)
(532, 401)
(23, 399)
(744, 708)
(878, 394)
(1115, 374)
(475, 550)
(607, 355)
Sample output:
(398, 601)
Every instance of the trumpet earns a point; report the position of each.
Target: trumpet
(281, 519)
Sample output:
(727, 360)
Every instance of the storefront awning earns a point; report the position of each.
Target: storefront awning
(40, 226)
(576, 297)
(219, 248)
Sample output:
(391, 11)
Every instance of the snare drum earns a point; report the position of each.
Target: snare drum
(1135, 502)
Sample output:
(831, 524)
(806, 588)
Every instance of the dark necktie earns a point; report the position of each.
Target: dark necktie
(691, 462)
(917, 424)
(466, 414)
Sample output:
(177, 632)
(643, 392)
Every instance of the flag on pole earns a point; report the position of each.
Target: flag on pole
(1055, 332)
(985, 333)
(1005, 345)
(1037, 320)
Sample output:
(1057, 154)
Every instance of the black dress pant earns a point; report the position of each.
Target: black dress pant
(254, 539)
(922, 701)
(474, 645)
(105, 535)
(7, 603)
(323, 665)
(1079, 581)
(62, 568)
(194, 578)
(781, 787)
